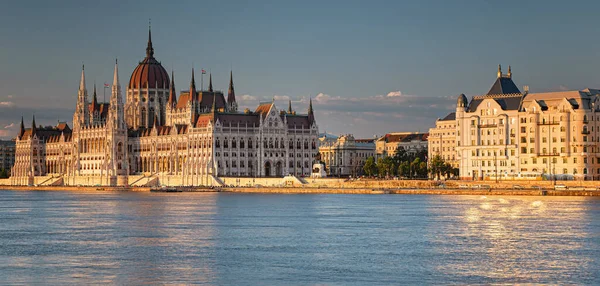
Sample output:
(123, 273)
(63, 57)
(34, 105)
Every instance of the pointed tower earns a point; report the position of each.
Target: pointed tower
(149, 48)
(81, 116)
(311, 114)
(290, 107)
(116, 134)
(509, 74)
(21, 129)
(192, 99)
(116, 112)
(210, 88)
(232, 104)
(172, 94)
(499, 71)
(33, 127)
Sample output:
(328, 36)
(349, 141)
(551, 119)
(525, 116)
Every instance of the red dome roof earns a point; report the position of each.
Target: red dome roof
(149, 73)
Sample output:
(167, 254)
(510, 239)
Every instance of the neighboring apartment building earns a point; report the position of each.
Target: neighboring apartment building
(345, 156)
(508, 134)
(412, 142)
(7, 154)
(442, 140)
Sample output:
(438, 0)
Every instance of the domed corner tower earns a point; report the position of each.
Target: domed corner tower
(461, 103)
(147, 91)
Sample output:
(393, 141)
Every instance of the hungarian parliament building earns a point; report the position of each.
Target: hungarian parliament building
(195, 138)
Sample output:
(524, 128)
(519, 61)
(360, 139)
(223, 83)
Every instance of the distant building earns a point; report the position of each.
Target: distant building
(442, 140)
(345, 156)
(7, 154)
(411, 142)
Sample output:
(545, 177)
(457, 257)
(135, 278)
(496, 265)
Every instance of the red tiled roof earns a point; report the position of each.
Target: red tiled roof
(405, 137)
(263, 108)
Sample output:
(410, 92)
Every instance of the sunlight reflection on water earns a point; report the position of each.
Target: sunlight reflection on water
(137, 238)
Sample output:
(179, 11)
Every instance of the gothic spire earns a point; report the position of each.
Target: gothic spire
(95, 99)
(193, 88)
(22, 128)
(33, 128)
(499, 71)
(231, 92)
(290, 107)
(116, 74)
(172, 94)
(311, 115)
(509, 72)
(82, 81)
(210, 88)
(149, 48)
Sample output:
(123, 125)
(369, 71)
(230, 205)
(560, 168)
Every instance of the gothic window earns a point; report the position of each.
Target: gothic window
(242, 143)
(291, 144)
(298, 144)
(151, 117)
(225, 143)
(233, 143)
(305, 144)
(218, 143)
(143, 116)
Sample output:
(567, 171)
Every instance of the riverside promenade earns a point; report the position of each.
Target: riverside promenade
(406, 187)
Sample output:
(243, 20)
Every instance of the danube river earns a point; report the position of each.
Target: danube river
(255, 239)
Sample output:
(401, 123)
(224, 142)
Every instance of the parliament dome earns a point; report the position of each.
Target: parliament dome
(149, 73)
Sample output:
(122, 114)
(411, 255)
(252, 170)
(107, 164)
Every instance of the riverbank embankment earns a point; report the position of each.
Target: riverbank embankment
(325, 190)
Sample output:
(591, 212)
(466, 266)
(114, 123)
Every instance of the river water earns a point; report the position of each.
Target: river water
(257, 239)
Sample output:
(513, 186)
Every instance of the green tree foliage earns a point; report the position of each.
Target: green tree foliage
(370, 168)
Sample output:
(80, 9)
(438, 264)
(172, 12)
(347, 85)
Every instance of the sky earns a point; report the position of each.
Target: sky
(371, 67)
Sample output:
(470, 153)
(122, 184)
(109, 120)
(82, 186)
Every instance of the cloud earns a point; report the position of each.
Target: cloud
(563, 87)
(7, 104)
(7, 133)
(380, 114)
(394, 93)
(281, 97)
(11, 125)
(247, 97)
(10, 96)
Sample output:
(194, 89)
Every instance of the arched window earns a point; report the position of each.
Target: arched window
(143, 115)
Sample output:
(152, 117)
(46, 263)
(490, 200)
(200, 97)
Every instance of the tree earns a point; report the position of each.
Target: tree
(370, 168)
(404, 169)
(436, 166)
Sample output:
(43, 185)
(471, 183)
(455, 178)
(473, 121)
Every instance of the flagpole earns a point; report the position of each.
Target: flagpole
(201, 79)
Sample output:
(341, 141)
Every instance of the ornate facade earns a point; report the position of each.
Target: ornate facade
(153, 134)
(345, 156)
(411, 142)
(507, 134)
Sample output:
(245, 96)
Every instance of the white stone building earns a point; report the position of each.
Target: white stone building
(345, 156)
(411, 142)
(507, 134)
(442, 140)
(194, 139)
